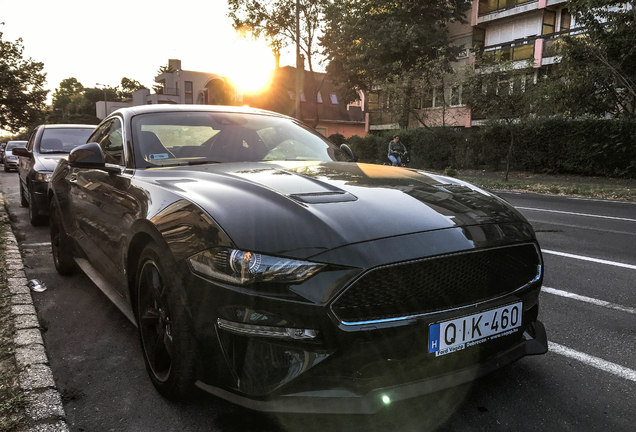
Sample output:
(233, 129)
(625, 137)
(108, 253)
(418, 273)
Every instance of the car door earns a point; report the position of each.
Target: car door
(102, 204)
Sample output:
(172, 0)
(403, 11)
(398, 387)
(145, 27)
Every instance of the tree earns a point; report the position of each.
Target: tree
(128, 87)
(503, 93)
(74, 103)
(597, 71)
(276, 21)
(400, 46)
(22, 97)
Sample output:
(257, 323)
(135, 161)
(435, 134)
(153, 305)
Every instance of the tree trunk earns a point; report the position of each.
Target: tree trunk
(512, 142)
(406, 107)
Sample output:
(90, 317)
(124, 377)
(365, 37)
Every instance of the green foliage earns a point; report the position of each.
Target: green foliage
(22, 97)
(597, 71)
(128, 87)
(549, 145)
(400, 46)
(337, 139)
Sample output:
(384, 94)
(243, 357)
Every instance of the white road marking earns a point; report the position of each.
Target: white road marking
(590, 300)
(580, 227)
(576, 214)
(584, 258)
(35, 244)
(598, 363)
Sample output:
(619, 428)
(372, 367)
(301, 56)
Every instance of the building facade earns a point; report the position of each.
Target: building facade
(500, 30)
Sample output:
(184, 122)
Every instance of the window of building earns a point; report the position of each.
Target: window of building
(549, 22)
(302, 97)
(566, 20)
(456, 95)
(334, 98)
(427, 99)
(292, 95)
(374, 101)
(189, 99)
(319, 97)
(438, 97)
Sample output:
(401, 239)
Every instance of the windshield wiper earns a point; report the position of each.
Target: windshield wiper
(203, 162)
(54, 152)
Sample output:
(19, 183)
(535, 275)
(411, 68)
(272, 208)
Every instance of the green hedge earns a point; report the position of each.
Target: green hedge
(547, 145)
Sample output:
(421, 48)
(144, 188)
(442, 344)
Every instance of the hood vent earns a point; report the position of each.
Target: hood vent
(323, 197)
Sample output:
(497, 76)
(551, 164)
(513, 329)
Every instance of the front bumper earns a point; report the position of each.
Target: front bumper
(338, 401)
(10, 164)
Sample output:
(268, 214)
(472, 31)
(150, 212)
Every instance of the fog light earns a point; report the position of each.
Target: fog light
(386, 399)
(267, 331)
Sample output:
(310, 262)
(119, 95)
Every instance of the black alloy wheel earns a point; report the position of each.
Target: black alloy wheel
(34, 217)
(164, 327)
(60, 244)
(23, 199)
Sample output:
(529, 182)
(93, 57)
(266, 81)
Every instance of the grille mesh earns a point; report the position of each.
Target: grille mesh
(437, 284)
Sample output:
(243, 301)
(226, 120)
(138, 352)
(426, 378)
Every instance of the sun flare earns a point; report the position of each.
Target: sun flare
(249, 64)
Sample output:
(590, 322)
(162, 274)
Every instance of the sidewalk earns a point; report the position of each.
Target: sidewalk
(43, 409)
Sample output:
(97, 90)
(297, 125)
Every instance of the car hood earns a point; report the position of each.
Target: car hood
(46, 162)
(306, 208)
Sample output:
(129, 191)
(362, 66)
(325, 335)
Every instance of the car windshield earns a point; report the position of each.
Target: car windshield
(13, 144)
(61, 140)
(188, 138)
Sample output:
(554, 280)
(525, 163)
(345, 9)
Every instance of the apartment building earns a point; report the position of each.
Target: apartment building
(502, 30)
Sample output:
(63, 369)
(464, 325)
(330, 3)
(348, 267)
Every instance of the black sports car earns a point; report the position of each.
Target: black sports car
(263, 265)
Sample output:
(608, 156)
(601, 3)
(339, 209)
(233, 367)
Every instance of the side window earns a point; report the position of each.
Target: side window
(31, 142)
(110, 139)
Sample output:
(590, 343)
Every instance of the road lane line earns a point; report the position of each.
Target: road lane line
(590, 300)
(598, 363)
(35, 244)
(576, 214)
(584, 258)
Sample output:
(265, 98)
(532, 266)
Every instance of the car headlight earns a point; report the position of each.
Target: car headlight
(243, 268)
(43, 177)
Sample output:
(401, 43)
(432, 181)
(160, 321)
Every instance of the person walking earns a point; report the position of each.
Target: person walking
(397, 150)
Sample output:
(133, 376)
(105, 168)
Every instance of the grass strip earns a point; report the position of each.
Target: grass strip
(579, 189)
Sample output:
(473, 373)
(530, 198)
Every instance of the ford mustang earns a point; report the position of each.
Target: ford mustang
(263, 264)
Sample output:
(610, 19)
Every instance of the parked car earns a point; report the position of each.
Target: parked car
(263, 265)
(46, 146)
(2, 147)
(11, 160)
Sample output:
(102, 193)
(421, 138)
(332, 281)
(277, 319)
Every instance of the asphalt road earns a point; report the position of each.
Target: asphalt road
(586, 382)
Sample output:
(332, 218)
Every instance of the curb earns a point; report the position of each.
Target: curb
(44, 408)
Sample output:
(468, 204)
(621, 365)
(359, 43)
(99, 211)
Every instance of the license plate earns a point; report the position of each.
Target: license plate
(454, 335)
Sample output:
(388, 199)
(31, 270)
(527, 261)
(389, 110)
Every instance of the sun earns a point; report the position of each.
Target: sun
(248, 64)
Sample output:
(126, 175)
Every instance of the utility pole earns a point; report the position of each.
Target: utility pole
(299, 64)
(105, 100)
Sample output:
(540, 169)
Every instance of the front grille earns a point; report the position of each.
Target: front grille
(437, 284)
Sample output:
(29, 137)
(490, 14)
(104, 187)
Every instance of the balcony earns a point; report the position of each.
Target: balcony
(553, 41)
(168, 91)
(522, 49)
(488, 6)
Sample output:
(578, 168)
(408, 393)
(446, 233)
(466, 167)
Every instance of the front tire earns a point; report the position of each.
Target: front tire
(34, 217)
(60, 244)
(165, 328)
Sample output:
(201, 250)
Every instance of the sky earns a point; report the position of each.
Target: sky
(102, 42)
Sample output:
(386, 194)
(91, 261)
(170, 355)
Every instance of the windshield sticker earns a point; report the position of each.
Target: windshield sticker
(155, 156)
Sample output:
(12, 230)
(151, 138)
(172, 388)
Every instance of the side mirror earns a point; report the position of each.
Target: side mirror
(21, 151)
(88, 155)
(345, 148)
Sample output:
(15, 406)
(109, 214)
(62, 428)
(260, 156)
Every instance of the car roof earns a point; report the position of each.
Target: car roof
(68, 126)
(162, 108)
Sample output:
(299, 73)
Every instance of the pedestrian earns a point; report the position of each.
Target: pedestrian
(396, 151)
